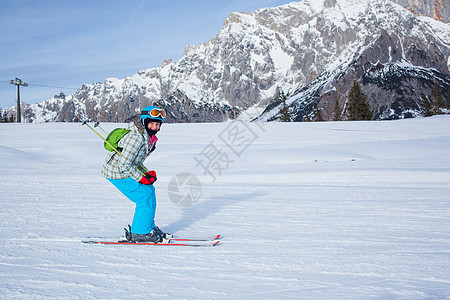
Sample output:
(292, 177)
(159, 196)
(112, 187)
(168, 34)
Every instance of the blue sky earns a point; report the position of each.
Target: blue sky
(53, 44)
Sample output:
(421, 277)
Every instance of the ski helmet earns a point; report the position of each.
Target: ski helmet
(152, 114)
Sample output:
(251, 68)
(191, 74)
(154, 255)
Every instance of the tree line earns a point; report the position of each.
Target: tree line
(358, 107)
(437, 104)
(4, 118)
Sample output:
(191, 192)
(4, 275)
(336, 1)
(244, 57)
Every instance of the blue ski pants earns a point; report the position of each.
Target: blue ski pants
(145, 198)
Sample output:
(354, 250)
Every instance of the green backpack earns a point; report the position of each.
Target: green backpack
(112, 141)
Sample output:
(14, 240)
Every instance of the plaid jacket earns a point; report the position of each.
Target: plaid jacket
(135, 145)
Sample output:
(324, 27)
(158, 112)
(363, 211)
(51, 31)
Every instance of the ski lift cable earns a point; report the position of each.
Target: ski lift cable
(52, 86)
(44, 85)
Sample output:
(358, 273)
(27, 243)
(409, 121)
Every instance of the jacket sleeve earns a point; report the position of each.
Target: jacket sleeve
(132, 144)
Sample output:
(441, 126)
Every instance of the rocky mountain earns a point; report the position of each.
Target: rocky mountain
(312, 50)
(395, 55)
(437, 9)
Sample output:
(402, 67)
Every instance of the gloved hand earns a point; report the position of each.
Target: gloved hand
(148, 178)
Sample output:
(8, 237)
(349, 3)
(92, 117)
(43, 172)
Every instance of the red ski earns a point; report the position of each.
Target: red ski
(155, 244)
(188, 242)
(212, 238)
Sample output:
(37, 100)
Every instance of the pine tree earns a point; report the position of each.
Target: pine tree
(285, 116)
(427, 107)
(436, 96)
(306, 118)
(318, 117)
(358, 107)
(337, 111)
(448, 99)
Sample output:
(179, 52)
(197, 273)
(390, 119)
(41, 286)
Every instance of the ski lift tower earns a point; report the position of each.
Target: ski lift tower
(18, 82)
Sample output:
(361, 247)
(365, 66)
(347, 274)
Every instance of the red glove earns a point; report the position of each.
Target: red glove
(148, 178)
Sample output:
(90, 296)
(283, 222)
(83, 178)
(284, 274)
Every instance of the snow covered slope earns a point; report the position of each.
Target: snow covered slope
(312, 50)
(335, 210)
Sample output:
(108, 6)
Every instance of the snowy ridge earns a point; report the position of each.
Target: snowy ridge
(284, 48)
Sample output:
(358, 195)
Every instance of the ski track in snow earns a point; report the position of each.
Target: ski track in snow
(335, 210)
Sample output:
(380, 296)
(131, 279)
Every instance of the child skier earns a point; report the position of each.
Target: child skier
(128, 175)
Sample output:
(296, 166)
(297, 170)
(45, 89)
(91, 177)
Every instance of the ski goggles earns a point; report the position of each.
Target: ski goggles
(155, 113)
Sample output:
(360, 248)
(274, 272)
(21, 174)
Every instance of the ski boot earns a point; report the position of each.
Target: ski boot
(152, 237)
(165, 235)
(155, 236)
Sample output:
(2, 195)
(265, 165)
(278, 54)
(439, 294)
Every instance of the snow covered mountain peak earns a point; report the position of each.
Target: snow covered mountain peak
(311, 50)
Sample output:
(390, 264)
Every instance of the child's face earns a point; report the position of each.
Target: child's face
(154, 126)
